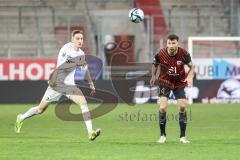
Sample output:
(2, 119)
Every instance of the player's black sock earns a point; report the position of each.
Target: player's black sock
(182, 123)
(162, 123)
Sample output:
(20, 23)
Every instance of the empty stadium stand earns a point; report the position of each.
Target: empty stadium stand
(38, 28)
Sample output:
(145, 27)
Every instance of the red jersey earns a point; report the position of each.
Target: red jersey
(172, 72)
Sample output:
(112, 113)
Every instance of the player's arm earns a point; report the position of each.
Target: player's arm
(53, 78)
(92, 87)
(191, 71)
(190, 74)
(155, 69)
(54, 74)
(89, 79)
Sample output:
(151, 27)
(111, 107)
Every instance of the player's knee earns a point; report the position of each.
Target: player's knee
(82, 101)
(84, 107)
(163, 109)
(181, 102)
(163, 105)
(41, 109)
(181, 109)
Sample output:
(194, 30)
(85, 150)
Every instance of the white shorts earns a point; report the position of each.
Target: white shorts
(52, 95)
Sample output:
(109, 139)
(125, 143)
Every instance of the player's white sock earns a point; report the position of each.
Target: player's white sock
(31, 112)
(86, 117)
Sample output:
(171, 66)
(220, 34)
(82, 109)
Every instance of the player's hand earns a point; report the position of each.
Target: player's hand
(81, 63)
(93, 91)
(152, 80)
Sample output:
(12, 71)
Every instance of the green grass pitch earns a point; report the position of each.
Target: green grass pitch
(128, 132)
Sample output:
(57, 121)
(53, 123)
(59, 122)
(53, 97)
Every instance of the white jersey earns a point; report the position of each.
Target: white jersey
(68, 52)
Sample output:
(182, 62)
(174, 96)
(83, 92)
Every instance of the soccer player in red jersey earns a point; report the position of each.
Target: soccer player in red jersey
(168, 69)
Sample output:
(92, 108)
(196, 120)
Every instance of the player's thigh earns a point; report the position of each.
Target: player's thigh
(78, 98)
(49, 96)
(164, 93)
(179, 93)
(163, 103)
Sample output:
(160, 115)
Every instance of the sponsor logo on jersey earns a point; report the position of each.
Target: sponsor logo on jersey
(179, 63)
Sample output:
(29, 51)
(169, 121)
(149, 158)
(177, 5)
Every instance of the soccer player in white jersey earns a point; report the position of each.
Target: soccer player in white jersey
(67, 53)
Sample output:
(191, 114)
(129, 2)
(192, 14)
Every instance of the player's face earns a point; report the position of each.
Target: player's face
(172, 46)
(77, 40)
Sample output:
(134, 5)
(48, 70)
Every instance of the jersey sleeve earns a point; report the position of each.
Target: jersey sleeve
(188, 58)
(156, 60)
(62, 56)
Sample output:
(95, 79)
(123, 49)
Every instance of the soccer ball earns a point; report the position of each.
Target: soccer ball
(136, 15)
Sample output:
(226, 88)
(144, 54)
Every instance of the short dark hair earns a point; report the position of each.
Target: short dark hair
(76, 32)
(173, 37)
